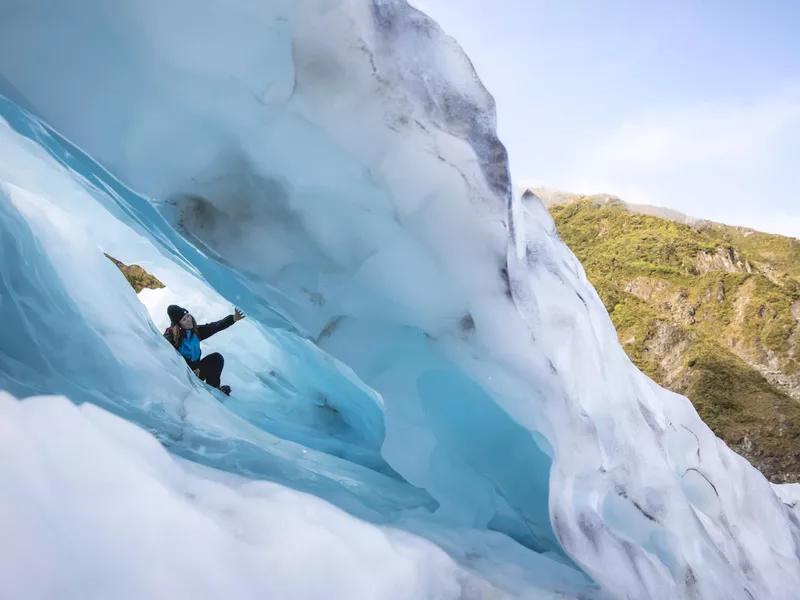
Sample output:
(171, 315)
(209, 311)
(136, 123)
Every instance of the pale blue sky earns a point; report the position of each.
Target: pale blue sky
(694, 105)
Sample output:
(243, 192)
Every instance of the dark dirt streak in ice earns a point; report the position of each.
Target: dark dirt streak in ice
(332, 325)
(623, 493)
(472, 120)
(695, 437)
(703, 476)
(467, 323)
(506, 282)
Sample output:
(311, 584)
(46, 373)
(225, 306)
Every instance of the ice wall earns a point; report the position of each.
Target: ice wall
(298, 417)
(395, 267)
(73, 326)
(337, 161)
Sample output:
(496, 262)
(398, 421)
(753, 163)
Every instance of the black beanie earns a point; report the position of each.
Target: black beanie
(175, 313)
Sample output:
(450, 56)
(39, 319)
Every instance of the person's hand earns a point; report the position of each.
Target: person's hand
(196, 372)
(237, 315)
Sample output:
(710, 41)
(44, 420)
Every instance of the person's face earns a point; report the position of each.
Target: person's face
(187, 321)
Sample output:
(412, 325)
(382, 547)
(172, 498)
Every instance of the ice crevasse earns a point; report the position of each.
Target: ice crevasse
(430, 398)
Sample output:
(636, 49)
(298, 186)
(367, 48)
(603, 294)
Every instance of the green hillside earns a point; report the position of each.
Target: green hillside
(706, 310)
(137, 276)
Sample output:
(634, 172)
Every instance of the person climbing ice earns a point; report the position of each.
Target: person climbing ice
(185, 336)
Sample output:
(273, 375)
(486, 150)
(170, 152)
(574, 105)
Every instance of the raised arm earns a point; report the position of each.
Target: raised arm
(206, 331)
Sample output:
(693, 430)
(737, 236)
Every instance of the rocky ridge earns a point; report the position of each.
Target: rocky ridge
(705, 309)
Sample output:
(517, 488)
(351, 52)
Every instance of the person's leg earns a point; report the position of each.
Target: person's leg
(211, 369)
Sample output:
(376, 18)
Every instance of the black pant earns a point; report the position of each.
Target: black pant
(211, 368)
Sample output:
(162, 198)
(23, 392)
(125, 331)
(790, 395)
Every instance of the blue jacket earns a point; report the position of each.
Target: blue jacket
(188, 342)
(189, 347)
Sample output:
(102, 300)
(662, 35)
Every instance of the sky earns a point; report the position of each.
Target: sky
(691, 105)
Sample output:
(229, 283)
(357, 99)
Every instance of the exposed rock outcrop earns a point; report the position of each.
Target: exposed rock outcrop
(707, 310)
(137, 276)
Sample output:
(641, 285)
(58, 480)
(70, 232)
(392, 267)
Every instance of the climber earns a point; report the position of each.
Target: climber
(185, 336)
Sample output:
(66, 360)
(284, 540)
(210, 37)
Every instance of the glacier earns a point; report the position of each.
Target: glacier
(426, 387)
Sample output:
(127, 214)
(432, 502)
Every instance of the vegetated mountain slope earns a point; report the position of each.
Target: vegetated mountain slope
(137, 276)
(707, 310)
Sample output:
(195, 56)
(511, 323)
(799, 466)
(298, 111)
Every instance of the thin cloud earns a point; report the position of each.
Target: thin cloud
(725, 161)
(660, 143)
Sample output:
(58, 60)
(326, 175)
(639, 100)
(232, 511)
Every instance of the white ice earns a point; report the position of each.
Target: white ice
(332, 167)
(74, 326)
(93, 507)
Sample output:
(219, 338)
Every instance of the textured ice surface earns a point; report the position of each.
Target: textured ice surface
(298, 417)
(93, 507)
(789, 493)
(73, 326)
(332, 168)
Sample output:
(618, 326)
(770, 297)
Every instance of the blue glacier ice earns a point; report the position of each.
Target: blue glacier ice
(430, 400)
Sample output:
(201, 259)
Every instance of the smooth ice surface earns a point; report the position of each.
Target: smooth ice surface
(332, 168)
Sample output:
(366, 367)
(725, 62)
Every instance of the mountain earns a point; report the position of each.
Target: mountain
(553, 197)
(707, 310)
(137, 276)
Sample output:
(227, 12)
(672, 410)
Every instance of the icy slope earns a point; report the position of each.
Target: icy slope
(335, 163)
(150, 526)
(73, 325)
